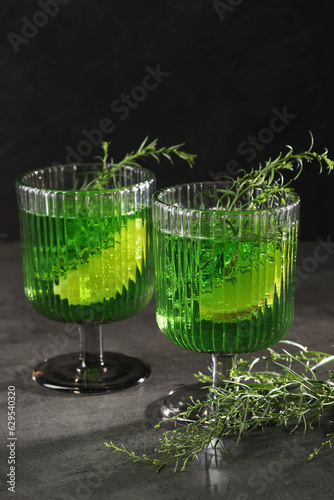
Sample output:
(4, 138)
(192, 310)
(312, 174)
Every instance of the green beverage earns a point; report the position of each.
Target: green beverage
(223, 296)
(224, 280)
(87, 254)
(87, 259)
(89, 268)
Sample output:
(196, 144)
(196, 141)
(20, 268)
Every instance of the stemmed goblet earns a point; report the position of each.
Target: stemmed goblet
(87, 260)
(224, 279)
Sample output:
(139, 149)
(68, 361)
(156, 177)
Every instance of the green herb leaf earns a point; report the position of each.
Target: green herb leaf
(145, 151)
(252, 400)
(259, 186)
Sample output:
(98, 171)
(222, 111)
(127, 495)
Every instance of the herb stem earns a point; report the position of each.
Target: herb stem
(287, 397)
(268, 180)
(145, 151)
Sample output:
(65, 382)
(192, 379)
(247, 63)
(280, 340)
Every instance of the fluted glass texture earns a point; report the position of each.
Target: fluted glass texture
(87, 255)
(224, 280)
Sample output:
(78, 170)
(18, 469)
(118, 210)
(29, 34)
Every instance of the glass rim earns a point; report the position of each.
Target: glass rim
(293, 204)
(20, 184)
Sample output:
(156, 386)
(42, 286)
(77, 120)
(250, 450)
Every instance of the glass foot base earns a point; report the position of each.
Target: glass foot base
(177, 402)
(66, 373)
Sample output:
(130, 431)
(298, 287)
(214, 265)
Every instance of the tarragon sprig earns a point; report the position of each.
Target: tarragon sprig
(145, 151)
(256, 187)
(287, 391)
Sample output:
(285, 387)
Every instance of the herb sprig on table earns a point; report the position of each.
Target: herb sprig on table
(289, 391)
(253, 188)
(147, 150)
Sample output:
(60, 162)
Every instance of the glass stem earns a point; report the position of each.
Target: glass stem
(221, 368)
(91, 337)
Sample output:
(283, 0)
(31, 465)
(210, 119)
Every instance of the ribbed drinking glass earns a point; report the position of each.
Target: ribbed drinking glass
(224, 279)
(87, 259)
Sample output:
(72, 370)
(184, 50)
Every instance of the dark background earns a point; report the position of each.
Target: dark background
(230, 65)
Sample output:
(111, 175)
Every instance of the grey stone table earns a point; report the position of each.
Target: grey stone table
(60, 452)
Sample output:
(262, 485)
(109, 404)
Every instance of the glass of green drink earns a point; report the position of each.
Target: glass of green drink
(224, 279)
(87, 260)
